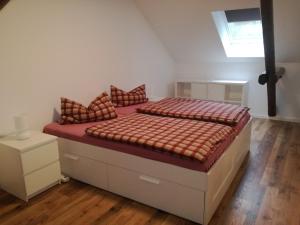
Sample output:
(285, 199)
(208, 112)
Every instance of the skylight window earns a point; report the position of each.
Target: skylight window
(241, 32)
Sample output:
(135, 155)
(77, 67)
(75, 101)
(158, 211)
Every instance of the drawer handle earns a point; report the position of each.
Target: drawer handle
(149, 179)
(73, 157)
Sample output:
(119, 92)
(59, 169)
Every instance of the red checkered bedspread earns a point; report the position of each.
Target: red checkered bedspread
(196, 109)
(189, 138)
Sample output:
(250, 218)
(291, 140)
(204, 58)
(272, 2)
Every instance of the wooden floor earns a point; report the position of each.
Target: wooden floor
(266, 191)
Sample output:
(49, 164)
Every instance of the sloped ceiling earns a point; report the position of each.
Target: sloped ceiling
(188, 31)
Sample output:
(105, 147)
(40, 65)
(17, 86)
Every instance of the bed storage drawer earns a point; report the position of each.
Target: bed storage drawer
(84, 169)
(171, 197)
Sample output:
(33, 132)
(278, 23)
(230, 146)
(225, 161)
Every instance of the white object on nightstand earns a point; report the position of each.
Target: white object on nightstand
(22, 127)
(28, 167)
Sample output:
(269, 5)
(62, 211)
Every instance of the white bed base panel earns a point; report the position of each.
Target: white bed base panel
(187, 193)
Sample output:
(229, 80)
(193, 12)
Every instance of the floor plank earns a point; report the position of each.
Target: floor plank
(266, 191)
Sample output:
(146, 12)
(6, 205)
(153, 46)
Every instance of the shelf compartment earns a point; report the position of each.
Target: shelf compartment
(184, 89)
(233, 93)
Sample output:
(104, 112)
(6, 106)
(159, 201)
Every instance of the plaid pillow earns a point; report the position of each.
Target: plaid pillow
(99, 109)
(133, 97)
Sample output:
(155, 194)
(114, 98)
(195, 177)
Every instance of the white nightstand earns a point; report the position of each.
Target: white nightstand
(30, 166)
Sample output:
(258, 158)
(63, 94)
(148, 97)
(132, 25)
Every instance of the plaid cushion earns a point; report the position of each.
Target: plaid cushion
(99, 109)
(122, 98)
(188, 138)
(196, 109)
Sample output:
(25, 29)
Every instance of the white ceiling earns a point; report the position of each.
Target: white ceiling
(187, 29)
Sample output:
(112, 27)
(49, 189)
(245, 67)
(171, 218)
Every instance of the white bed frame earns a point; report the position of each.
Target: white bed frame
(187, 193)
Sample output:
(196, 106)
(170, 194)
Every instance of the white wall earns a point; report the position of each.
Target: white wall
(188, 31)
(74, 49)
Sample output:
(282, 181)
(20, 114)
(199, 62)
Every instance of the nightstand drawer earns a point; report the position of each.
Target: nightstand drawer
(42, 178)
(39, 157)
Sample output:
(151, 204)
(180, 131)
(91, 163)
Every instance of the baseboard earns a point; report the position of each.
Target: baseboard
(279, 118)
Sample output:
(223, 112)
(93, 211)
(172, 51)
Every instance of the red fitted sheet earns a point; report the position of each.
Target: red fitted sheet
(76, 132)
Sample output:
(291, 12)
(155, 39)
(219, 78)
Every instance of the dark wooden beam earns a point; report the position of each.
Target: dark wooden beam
(268, 33)
(3, 3)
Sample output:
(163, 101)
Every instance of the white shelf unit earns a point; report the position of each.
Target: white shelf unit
(233, 92)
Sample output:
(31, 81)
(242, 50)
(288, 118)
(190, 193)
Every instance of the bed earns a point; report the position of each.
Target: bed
(180, 186)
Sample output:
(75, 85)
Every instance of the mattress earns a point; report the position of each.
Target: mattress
(76, 132)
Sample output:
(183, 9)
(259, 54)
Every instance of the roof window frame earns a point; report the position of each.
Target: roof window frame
(242, 51)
